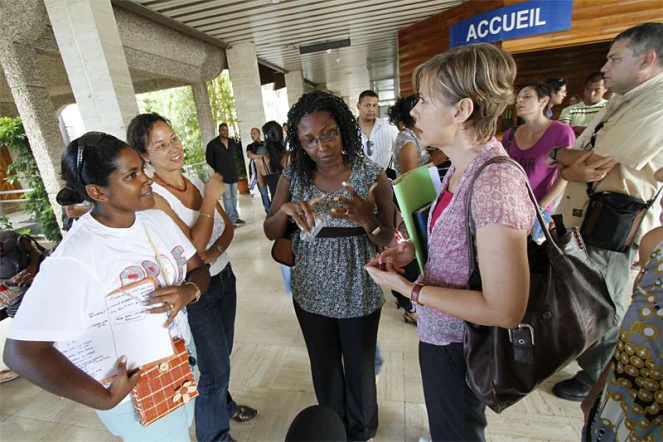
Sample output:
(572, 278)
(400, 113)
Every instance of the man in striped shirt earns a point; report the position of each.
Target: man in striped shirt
(580, 115)
(377, 135)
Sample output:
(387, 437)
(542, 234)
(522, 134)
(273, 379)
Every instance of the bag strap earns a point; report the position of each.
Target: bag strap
(470, 226)
(510, 138)
(34, 242)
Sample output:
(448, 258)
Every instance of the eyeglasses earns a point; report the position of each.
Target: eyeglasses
(324, 138)
(87, 140)
(369, 148)
(165, 147)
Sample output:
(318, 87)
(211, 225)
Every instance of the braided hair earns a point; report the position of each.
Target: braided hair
(318, 101)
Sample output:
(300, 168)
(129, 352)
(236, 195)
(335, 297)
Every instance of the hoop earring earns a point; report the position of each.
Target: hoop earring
(344, 152)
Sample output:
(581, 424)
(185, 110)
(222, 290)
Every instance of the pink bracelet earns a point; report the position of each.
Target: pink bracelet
(414, 296)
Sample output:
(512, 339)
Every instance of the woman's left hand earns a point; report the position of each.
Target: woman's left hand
(357, 209)
(174, 297)
(388, 278)
(210, 255)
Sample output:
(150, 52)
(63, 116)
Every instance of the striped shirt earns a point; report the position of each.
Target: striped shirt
(581, 114)
(377, 147)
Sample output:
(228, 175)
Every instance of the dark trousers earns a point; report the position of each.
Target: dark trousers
(212, 322)
(454, 412)
(342, 356)
(411, 274)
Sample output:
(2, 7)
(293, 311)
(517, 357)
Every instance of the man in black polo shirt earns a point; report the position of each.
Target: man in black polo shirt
(220, 155)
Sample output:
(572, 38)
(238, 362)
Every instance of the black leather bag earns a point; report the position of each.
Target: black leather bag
(613, 219)
(569, 308)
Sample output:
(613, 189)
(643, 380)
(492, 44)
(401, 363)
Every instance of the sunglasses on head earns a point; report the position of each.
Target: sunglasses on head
(87, 140)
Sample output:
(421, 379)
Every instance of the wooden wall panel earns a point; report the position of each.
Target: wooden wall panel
(421, 41)
(593, 21)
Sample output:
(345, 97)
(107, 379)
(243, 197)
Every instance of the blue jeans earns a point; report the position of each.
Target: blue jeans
(212, 321)
(537, 233)
(286, 272)
(230, 202)
(123, 422)
(265, 197)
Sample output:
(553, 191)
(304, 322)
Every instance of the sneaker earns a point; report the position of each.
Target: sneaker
(571, 390)
(240, 221)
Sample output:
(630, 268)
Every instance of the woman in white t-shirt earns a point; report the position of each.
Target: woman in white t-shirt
(106, 249)
(195, 208)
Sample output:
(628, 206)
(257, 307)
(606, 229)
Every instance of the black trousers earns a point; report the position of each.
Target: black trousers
(342, 356)
(411, 274)
(454, 412)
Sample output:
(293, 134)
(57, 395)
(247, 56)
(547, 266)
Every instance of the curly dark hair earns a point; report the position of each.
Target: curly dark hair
(318, 101)
(400, 111)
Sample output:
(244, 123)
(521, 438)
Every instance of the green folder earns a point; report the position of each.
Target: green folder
(414, 190)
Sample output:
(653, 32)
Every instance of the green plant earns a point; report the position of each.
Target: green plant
(24, 167)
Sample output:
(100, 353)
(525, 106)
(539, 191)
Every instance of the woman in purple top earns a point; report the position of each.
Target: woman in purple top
(461, 94)
(530, 143)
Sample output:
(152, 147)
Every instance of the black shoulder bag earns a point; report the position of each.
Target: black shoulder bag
(612, 219)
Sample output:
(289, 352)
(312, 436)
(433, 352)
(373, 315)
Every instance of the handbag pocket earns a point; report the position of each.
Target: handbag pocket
(612, 220)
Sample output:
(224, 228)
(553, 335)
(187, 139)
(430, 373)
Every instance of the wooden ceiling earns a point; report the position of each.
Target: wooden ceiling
(279, 28)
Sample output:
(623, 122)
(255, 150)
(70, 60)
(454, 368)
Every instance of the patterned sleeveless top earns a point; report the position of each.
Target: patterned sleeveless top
(329, 277)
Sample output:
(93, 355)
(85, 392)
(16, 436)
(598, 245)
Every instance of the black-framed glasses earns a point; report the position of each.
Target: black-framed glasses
(87, 140)
(369, 148)
(324, 138)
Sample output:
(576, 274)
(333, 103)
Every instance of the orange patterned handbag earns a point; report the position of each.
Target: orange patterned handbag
(164, 386)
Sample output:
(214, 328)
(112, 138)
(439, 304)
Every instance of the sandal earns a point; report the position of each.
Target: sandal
(244, 413)
(410, 317)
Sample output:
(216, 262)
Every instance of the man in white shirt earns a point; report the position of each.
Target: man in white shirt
(377, 135)
(619, 152)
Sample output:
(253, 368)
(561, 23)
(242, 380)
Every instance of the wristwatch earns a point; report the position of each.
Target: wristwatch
(195, 286)
(553, 153)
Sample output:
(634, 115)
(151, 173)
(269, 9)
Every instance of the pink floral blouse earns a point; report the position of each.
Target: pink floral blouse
(500, 196)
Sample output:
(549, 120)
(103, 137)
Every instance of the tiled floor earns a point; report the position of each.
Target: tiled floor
(270, 371)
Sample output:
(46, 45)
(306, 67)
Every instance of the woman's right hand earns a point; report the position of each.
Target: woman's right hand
(214, 188)
(395, 258)
(302, 212)
(122, 384)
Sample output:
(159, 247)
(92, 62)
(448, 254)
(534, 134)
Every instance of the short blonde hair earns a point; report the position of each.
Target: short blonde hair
(481, 72)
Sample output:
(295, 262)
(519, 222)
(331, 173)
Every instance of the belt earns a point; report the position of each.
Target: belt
(223, 275)
(339, 232)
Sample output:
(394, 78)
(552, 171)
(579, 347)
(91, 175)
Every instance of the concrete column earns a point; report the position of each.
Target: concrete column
(294, 82)
(90, 45)
(243, 67)
(23, 22)
(205, 117)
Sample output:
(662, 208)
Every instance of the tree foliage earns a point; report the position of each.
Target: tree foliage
(24, 167)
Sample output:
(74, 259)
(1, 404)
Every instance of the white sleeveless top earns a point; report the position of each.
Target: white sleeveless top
(190, 217)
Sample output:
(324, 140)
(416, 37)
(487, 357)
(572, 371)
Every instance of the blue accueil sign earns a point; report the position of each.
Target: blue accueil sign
(527, 18)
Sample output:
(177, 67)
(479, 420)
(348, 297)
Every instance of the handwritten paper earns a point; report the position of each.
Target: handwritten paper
(121, 327)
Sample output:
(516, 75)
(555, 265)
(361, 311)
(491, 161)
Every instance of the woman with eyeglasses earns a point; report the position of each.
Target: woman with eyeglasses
(194, 207)
(337, 304)
(108, 248)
